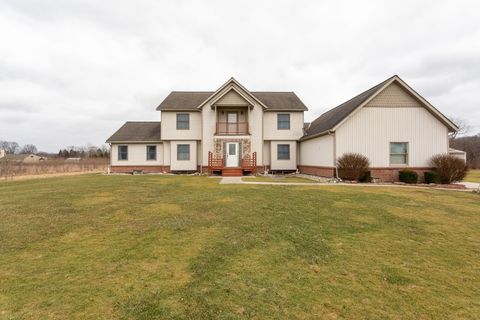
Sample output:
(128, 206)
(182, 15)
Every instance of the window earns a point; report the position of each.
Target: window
(283, 152)
(183, 121)
(122, 152)
(398, 153)
(151, 152)
(283, 121)
(183, 152)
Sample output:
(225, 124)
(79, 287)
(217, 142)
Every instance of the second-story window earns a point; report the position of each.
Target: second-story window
(183, 121)
(283, 121)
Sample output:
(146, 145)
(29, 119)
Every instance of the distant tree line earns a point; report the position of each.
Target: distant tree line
(88, 151)
(12, 147)
(471, 145)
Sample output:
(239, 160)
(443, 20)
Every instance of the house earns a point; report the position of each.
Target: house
(20, 158)
(234, 131)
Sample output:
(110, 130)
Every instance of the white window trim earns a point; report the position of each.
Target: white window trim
(399, 165)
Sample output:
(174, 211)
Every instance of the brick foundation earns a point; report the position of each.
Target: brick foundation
(144, 169)
(317, 171)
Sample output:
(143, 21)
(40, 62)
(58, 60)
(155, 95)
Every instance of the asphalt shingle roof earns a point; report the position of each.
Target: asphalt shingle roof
(137, 131)
(190, 100)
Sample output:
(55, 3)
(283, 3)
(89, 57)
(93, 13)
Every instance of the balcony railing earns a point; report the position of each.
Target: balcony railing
(229, 128)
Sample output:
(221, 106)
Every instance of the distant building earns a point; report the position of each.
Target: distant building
(21, 158)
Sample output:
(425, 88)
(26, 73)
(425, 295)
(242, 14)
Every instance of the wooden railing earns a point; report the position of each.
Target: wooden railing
(228, 128)
(218, 164)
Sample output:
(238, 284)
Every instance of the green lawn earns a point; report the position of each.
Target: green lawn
(279, 179)
(473, 176)
(166, 247)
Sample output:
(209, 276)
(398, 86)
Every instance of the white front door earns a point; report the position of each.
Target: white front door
(232, 154)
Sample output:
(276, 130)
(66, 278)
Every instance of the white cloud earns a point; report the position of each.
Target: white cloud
(72, 71)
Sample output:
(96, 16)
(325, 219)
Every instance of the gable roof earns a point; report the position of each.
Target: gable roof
(193, 100)
(137, 131)
(330, 120)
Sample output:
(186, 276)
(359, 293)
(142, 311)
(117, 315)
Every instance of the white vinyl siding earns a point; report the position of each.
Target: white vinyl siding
(317, 152)
(370, 131)
(137, 155)
(283, 164)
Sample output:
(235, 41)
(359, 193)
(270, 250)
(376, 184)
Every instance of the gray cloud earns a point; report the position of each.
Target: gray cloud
(72, 71)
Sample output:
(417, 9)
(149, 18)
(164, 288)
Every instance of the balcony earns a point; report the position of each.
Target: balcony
(232, 128)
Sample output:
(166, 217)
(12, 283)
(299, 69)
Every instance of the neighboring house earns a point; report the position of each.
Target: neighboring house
(234, 131)
(20, 158)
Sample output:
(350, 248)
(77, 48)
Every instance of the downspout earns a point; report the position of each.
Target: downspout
(334, 152)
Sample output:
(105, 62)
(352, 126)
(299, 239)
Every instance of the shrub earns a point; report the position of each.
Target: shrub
(366, 177)
(352, 166)
(449, 168)
(431, 177)
(408, 176)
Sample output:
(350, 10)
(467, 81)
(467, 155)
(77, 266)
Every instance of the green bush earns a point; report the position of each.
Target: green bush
(431, 177)
(366, 177)
(408, 176)
(352, 166)
(449, 168)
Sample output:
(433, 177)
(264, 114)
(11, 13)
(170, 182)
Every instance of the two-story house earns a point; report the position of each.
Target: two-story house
(234, 131)
(231, 130)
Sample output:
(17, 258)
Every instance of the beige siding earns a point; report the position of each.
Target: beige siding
(317, 152)
(169, 127)
(371, 130)
(166, 153)
(271, 132)
(266, 153)
(231, 98)
(276, 164)
(137, 155)
(394, 96)
(179, 165)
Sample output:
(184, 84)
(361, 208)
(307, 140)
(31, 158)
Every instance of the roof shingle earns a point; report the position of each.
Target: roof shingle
(137, 131)
(190, 100)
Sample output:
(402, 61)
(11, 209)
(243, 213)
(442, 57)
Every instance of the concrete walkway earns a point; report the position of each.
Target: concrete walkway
(238, 180)
(471, 185)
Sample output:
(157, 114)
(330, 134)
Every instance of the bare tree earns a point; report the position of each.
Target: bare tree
(29, 148)
(9, 146)
(463, 127)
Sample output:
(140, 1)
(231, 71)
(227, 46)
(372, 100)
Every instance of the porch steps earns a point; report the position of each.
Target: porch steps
(232, 172)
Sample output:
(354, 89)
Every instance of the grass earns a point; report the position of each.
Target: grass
(473, 176)
(279, 179)
(166, 247)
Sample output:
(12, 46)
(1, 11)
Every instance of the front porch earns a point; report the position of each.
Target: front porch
(246, 165)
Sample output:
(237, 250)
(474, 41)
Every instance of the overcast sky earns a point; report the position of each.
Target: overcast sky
(71, 72)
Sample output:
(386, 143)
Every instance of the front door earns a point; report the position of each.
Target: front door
(232, 154)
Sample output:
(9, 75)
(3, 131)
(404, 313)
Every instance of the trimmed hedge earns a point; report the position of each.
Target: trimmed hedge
(366, 177)
(408, 176)
(431, 177)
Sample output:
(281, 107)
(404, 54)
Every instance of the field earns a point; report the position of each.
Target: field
(173, 247)
(473, 176)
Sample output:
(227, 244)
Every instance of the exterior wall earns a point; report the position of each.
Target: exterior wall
(166, 153)
(270, 131)
(391, 174)
(266, 153)
(137, 155)
(370, 131)
(169, 126)
(394, 96)
(231, 98)
(317, 152)
(276, 164)
(183, 165)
